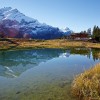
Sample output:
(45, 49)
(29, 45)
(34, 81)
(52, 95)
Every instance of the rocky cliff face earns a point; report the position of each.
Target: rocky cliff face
(14, 24)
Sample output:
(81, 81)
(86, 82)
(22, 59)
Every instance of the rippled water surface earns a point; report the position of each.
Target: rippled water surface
(42, 74)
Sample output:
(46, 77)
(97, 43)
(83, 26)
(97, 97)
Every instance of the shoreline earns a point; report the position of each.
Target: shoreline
(36, 44)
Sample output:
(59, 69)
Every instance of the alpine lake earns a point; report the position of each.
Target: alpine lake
(43, 74)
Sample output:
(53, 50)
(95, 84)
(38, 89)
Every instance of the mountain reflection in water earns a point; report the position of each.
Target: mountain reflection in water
(14, 63)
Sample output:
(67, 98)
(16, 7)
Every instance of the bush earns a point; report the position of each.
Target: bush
(86, 86)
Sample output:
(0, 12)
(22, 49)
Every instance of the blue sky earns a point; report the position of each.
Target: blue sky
(78, 15)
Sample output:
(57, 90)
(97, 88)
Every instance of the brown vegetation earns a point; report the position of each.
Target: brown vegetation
(86, 86)
(57, 43)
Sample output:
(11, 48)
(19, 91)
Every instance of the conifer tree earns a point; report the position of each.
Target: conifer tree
(96, 33)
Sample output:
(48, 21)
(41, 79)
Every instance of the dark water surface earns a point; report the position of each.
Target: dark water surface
(43, 74)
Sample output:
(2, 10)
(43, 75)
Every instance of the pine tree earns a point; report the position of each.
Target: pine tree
(96, 33)
(89, 31)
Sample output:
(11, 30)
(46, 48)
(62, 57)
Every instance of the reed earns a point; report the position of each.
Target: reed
(86, 86)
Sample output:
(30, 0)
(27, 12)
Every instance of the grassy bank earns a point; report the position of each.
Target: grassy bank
(86, 86)
(57, 43)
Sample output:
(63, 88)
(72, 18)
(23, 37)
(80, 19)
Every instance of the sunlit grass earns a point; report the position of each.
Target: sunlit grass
(86, 86)
(56, 43)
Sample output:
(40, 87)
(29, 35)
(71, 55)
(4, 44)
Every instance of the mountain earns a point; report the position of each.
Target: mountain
(14, 63)
(67, 31)
(14, 24)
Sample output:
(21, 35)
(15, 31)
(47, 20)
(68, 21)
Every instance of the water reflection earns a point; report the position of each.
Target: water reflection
(96, 54)
(14, 63)
(42, 74)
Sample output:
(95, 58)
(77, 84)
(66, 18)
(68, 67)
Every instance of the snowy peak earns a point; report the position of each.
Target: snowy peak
(14, 24)
(66, 31)
(13, 14)
(5, 9)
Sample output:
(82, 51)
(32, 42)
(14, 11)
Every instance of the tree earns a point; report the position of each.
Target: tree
(96, 33)
(89, 31)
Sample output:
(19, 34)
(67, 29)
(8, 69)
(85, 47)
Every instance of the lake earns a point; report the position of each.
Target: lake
(43, 74)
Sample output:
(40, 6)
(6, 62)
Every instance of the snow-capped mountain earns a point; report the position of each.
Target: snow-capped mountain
(13, 14)
(67, 31)
(14, 24)
(16, 62)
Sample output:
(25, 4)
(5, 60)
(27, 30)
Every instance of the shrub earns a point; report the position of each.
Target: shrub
(86, 86)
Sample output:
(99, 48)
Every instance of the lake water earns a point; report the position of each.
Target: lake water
(43, 74)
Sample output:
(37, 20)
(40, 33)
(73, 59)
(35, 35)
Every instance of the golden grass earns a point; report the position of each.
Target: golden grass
(86, 86)
(56, 43)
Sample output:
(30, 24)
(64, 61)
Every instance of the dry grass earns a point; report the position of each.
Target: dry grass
(86, 86)
(57, 43)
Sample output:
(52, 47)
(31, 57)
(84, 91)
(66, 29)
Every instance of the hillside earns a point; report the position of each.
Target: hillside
(14, 24)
